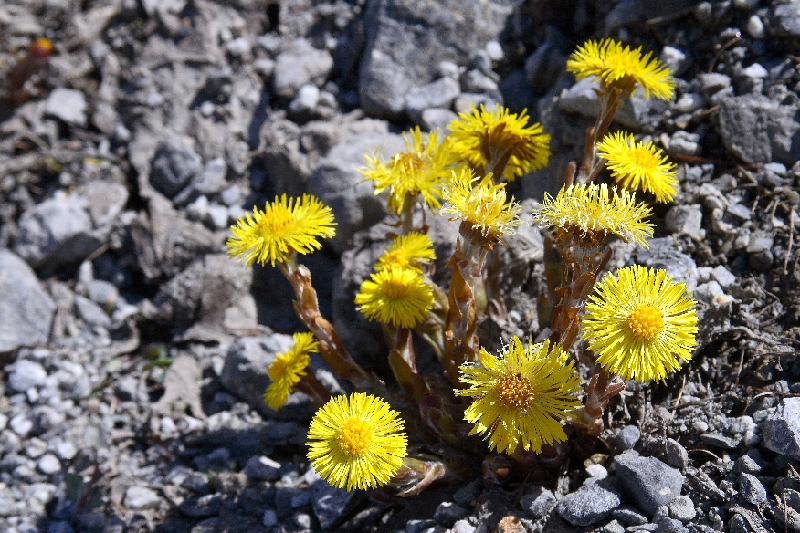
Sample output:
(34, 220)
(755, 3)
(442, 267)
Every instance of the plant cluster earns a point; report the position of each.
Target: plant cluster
(639, 323)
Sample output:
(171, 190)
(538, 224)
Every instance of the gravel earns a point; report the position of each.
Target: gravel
(134, 350)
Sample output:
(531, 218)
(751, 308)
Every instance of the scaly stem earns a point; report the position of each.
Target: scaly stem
(331, 349)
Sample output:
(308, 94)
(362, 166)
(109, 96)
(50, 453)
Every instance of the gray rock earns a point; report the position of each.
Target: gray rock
(68, 105)
(26, 310)
(544, 65)
(582, 100)
(337, 183)
(755, 27)
(739, 211)
(629, 516)
(270, 518)
(752, 463)
(330, 504)
(649, 482)
(48, 464)
(448, 513)
(589, 504)
(707, 292)
(683, 142)
(91, 312)
(466, 495)
(682, 508)
(686, 220)
(203, 506)
(59, 526)
(760, 130)
(439, 94)
(306, 100)
(781, 429)
(66, 229)
(786, 20)
(538, 502)
(403, 52)
(689, 102)
(662, 254)
(436, 119)
(671, 525)
(420, 526)
(212, 179)
(163, 7)
(627, 438)
(262, 467)
(676, 60)
(174, 166)
(26, 374)
(139, 497)
(300, 64)
(713, 82)
(752, 489)
(463, 526)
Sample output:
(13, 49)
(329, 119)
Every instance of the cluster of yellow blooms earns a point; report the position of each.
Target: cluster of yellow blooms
(639, 322)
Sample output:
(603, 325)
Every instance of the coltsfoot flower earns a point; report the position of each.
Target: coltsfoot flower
(409, 251)
(288, 368)
(422, 169)
(486, 138)
(396, 295)
(285, 225)
(587, 212)
(522, 396)
(617, 66)
(481, 205)
(640, 324)
(356, 443)
(639, 165)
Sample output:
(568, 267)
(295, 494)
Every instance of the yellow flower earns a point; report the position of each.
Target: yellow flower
(487, 138)
(396, 295)
(357, 443)
(481, 205)
(522, 396)
(636, 164)
(640, 325)
(285, 225)
(287, 369)
(421, 169)
(586, 212)
(407, 251)
(622, 68)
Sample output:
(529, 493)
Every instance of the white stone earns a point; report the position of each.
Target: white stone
(755, 27)
(68, 105)
(48, 464)
(138, 497)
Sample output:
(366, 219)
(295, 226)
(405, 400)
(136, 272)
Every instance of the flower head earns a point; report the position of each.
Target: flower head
(636, 164)
(288, 368)
(522, 396)
(407, 251)
(640, 324)
(618, 66)
(421, 169)
(481, 205)
(487, 138)
(586, 212)
(356, 443)
(396, 295)
(285, 225)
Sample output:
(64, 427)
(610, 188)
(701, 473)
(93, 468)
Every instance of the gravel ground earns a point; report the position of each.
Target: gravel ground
(134, 351)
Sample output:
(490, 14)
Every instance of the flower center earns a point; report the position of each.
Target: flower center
(354, 437)
(395, 288)
(514, 391)
(642, 158)
(410, 161)
(277, 368)
(276, 222)
(646, 322)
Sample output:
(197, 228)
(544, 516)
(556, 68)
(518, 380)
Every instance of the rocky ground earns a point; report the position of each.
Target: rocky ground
(135, 351)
